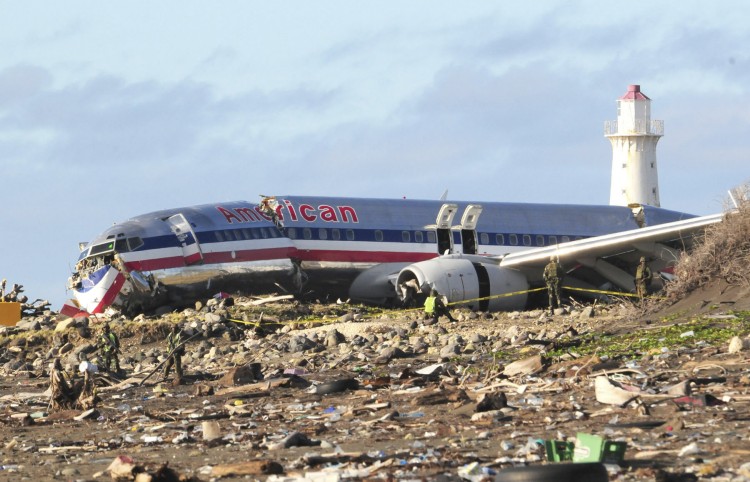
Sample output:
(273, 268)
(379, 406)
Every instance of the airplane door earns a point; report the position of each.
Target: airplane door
(191, 250)
(469, 228)
(443, 228)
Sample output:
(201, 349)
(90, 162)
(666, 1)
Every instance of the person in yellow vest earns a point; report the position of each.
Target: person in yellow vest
(435, 308)
(109, 346)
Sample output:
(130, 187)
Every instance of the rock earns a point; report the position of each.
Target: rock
(211, 430)
(242, 375)
(587, 312)
(65, 324)
(491, 401)
(527, 366)
(449, 351)
(736, 345)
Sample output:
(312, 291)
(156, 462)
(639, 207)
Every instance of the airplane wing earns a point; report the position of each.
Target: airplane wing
(611, 256)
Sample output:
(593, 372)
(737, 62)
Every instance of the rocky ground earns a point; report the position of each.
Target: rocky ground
(286, 391)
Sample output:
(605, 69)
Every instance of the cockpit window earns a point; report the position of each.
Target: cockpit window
(102, 248)
(134, 243)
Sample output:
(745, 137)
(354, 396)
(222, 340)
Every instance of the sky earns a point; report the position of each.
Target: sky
(113, 109)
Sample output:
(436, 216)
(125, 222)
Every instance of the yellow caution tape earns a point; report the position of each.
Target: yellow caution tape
(454, 303)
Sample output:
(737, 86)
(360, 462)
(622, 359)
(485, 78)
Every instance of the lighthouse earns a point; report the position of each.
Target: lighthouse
(633, 137)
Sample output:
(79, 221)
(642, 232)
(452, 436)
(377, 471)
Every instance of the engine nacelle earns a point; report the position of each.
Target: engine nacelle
(481, 283)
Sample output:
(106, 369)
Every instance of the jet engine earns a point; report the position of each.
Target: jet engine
(476, 280)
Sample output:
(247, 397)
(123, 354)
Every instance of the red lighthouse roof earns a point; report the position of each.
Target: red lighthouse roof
(634, 93)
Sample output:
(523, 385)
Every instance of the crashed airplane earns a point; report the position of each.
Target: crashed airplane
(372, 250)
(386, 251)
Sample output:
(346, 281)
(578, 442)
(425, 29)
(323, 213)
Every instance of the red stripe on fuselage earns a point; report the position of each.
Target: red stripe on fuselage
(111, 294)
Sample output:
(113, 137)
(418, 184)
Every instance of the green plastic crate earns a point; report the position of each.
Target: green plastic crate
(558, 451)
(592, 448)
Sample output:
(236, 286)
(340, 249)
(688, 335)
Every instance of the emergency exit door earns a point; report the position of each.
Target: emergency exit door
(191, 250)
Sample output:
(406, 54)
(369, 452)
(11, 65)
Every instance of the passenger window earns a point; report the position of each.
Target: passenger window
(322, 233)
(218, 235)
(484, 238)
(307, 233)
(335, 234)
(350, 235)
(578, 238)
(246, 234)
(238, 235)
(378, 235)
(526, 240)
(513, 240)
(419, 236)
(552, 240)
(405, 236)
(565, 239)
(431, 237)
(292, 233)
(499, 239)
(539, 240)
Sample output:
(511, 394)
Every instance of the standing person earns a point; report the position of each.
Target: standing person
(435, 308)
(174, 353)
(643, 278)
(87, 397)
(62, 395)
(109, 345)
(553, 275)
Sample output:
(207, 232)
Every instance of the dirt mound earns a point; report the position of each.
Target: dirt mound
(715, 275)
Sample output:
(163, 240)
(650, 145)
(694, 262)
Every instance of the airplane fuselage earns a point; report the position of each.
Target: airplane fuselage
(320, 243)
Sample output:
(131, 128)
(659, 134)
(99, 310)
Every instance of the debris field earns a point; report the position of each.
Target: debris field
(291, 391)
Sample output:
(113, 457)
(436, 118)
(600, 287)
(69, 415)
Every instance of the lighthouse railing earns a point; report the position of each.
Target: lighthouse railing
(638, 126)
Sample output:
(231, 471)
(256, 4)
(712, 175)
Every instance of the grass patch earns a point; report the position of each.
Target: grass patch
(705, 332)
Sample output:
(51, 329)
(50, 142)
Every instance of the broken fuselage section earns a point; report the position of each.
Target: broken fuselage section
(170, 256)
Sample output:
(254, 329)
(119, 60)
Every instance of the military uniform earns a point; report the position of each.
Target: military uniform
(553, 275)
(175, 352)
(643, 278)
(109, 345)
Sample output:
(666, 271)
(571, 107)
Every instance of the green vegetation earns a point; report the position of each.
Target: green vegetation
(705, 331)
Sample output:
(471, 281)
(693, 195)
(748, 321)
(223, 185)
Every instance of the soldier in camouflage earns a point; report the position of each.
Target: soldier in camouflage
(643, 278)
(553, 275)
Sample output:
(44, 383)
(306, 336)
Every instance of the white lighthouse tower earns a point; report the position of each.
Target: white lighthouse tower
(634, 136)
